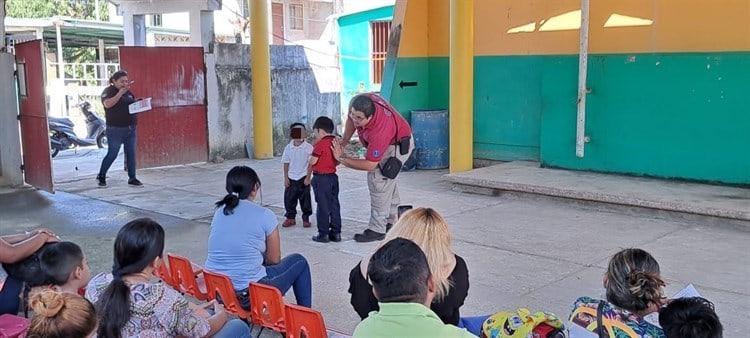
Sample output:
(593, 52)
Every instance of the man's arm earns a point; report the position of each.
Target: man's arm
(354, 163)
(348, 131)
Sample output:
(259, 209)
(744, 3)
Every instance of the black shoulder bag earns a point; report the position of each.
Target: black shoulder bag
(392, 166)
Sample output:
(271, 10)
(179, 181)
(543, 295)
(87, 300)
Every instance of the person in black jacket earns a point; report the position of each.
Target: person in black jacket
(428, 229)
(121, 126)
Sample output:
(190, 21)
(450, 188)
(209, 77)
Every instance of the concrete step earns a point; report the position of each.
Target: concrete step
(726, 202)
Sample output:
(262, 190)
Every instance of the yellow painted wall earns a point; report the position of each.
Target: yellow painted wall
(538, 27)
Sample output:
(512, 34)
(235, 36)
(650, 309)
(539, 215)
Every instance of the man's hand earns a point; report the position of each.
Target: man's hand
(287, 183)
(343, 142)
(307, 180)
(338, 149)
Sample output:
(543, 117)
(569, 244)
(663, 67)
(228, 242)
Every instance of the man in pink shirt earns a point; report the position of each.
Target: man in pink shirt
(385, 133)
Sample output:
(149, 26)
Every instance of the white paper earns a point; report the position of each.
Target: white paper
(688, 291)
(140, 106)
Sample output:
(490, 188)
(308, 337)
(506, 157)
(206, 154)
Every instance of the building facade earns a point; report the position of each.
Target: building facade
(667, 79)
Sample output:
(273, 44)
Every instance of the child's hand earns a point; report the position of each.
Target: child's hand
(307, 180)
(286, 182)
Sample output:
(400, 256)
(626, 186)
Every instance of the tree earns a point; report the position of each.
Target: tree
(80, 9)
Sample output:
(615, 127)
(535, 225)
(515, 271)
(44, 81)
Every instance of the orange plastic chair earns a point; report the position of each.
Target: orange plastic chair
(165, 276)
(221, 285)
(267, 307)
(304, 322)
(185, 277)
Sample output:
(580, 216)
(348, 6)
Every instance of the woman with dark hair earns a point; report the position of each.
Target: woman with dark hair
(244, 243)
(129, 305)
(633, 291)
(120, 126)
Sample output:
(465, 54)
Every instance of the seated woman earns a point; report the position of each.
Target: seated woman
(244, 243)
(61, 315)
(130, 305)
(634, 291)
(13, 249)
(428, 229)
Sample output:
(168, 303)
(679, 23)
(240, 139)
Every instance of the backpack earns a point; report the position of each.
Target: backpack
(523, 324)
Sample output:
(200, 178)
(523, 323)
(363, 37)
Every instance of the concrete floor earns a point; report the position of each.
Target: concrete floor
(522, 251)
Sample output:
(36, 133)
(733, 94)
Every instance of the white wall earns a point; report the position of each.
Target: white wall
(10, 139)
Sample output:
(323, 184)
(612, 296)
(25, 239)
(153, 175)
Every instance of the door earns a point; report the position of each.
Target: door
(277, 23)
(175, 130)
(35, 146)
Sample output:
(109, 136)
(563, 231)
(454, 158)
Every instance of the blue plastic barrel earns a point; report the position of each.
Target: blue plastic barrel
(430, 128)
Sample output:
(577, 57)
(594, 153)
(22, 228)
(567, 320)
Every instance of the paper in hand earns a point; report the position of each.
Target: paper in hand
(688, 291)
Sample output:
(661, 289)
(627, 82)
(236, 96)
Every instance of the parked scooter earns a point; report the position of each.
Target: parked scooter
(62, 136)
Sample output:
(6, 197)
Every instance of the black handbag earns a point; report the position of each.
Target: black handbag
(391, 167)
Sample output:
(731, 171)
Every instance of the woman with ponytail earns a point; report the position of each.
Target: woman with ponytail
(130, 305)
(61, 315)
(634, 295)
(244, 243)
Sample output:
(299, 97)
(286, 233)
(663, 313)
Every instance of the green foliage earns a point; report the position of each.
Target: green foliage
(80, 9)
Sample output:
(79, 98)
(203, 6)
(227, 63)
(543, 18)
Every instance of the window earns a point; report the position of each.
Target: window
(156, 20)
(381, 31)
(296, 17)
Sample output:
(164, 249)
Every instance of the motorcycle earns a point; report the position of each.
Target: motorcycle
(62, 136)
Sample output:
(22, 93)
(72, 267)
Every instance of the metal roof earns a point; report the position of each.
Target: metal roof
(74, 32)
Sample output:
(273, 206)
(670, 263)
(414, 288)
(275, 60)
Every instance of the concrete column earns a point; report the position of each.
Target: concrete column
(60, 62)
(260, 71)
(134, 27)
(10, 144)
(2, 27)
(202, 29)
(102, 59)
(461, 85)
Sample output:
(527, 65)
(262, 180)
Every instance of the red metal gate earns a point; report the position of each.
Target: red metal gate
(175, 131)
(37, 162)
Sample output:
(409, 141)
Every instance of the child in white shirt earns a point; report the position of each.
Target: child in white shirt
(296, 158)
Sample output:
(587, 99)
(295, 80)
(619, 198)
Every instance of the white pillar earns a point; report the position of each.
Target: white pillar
(134, 27)
(2, 24)
(60, 70)
(102, 68)
(202, 29)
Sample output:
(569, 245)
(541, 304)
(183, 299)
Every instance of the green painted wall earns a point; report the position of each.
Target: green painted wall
(355, 49)
(507, 104)
(670, 115)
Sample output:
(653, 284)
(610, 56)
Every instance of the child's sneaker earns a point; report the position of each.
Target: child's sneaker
(288, 222)
(306, 224)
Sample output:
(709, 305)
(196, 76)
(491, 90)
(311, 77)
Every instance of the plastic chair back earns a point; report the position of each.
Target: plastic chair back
(302, 322)
(165, 276)
(267, 307)
(221, 285)
(13, 326)
(186, 278)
